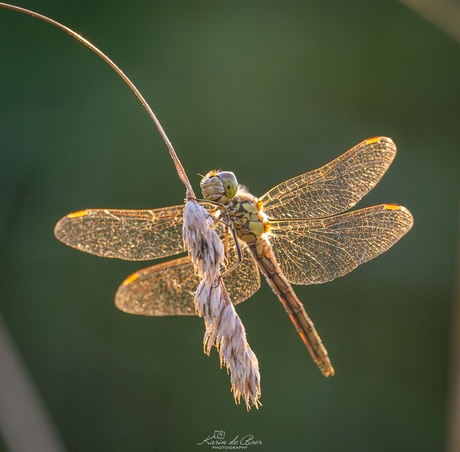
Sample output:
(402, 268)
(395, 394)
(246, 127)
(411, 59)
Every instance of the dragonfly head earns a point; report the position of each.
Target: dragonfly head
(218, 185)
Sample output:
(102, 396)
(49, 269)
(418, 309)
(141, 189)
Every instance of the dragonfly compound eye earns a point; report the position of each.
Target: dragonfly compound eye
(229, 182)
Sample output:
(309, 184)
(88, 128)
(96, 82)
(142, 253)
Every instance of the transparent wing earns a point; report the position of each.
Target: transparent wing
(169, 288)
(320, 250)
(333, 188)
(163, 289)
(124, 234)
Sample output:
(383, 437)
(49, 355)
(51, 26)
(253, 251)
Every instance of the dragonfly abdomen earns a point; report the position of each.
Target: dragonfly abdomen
(263, 254)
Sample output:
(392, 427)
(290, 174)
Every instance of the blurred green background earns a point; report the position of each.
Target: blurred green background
(268, 90)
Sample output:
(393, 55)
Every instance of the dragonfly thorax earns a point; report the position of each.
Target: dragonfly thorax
(219, 186)
(249, 221)
(237, 205)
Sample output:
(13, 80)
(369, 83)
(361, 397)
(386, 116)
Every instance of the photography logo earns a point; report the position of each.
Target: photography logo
(217, 441)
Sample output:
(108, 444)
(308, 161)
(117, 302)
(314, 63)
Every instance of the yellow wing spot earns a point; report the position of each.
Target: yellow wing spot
(130, 279)
(392, 207)
(373, 140)
(80, 213)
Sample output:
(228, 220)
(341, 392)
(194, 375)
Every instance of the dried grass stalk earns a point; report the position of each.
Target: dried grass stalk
(224, 328)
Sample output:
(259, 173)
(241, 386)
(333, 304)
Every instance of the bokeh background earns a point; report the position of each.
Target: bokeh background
(267, 89)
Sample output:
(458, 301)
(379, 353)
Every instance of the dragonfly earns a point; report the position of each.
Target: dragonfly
(299, 232)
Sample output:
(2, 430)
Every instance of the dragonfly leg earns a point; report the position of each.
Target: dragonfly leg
(207, 201)
(238, 249)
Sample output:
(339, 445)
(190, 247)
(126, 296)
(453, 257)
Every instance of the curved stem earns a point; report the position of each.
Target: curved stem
(179, 168)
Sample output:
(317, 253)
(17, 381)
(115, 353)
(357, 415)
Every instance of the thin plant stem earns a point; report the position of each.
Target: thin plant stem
(179, 168)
